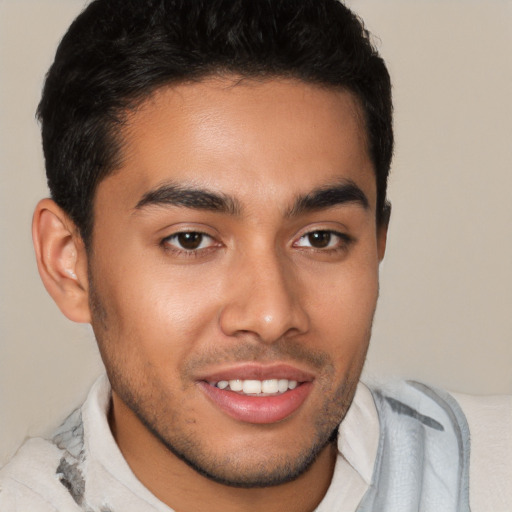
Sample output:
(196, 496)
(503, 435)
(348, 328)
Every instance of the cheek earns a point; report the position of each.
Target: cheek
(156, 312)
(343, 310)
(347, 296)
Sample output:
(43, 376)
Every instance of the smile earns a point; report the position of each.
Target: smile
(258, 394)
(267, 387)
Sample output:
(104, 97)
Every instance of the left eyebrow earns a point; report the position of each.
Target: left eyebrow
(329, 196)
(170, 194)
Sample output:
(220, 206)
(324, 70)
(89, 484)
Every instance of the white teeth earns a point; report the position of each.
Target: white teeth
(252, 387)
(269, 386)
(236, 385)
(257, 387)
(282, 385)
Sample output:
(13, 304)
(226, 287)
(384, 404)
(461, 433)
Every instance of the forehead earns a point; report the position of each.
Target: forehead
(266, 140)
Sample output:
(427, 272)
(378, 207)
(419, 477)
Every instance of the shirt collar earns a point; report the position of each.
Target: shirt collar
(358, 438)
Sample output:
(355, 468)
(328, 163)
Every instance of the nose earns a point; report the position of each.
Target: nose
(264, 299)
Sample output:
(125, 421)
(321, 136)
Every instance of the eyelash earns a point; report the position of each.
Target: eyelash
(344, 241)
(196, 252)
(342, 245)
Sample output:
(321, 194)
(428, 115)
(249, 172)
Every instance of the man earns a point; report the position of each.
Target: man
(218, 175)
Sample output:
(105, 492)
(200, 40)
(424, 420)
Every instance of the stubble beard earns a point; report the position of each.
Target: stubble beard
(152, 407)
(224, 468)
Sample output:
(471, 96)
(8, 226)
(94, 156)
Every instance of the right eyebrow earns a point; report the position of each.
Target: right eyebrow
(346, 191)
(171, 194)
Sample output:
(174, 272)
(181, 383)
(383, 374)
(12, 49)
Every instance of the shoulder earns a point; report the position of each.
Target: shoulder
(50, 475)
(30, 481)
(486, 422)
(490, 425)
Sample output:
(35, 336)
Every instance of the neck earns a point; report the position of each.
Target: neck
(183, 489)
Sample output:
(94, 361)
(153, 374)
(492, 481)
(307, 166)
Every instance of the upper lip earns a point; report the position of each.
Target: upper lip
(253, 371)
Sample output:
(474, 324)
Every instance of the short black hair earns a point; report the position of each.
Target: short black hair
(117, 52)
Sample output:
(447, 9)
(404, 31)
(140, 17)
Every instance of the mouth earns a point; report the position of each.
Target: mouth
(252, 387)
(255, 394)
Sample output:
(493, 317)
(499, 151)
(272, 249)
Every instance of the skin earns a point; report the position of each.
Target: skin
(259, 289)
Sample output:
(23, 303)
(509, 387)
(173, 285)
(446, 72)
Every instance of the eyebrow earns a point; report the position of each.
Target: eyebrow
(171, 194)
(329, 196)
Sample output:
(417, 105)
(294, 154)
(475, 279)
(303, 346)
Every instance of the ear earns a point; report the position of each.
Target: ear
(61, 260)
(382, 230)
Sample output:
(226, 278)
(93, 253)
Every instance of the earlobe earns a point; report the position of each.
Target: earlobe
(61, 260)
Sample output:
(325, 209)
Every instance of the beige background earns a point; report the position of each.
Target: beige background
(446, 293)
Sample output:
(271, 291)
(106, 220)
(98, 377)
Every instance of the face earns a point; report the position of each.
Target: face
(234, 272)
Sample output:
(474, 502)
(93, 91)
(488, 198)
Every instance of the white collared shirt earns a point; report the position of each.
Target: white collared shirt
(30, 481)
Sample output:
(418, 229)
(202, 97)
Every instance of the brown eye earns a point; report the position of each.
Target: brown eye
(189, 241)
(319, 239)
(324, 239)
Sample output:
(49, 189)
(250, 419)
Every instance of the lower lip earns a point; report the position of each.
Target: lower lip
(257, 409)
